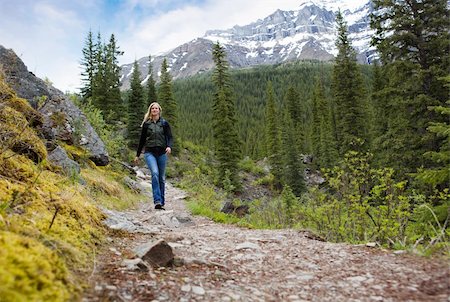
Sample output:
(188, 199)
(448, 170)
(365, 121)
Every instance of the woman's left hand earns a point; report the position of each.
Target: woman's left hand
(168, 150)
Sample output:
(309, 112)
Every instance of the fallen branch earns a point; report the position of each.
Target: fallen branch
(125, 165)
(54, 216)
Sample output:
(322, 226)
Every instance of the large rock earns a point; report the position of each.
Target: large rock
(62, 119)
(230, 208)
(60, 158)
(157, 253)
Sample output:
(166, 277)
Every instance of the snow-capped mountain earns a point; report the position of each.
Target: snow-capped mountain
(306, 33)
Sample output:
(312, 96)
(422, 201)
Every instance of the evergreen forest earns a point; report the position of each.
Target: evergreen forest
(249, 87)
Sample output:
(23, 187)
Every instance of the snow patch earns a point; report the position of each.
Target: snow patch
(131, 71)
(215, 39)
(145, 80)
(184, 66)
(252, 54)
(334, 5)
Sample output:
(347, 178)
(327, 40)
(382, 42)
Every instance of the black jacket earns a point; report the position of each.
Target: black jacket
(156, 137)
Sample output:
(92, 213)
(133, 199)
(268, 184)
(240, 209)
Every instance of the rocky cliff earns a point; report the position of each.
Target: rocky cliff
(61, 119)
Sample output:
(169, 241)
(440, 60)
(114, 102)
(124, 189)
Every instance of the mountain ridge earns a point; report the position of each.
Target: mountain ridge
(308, 33)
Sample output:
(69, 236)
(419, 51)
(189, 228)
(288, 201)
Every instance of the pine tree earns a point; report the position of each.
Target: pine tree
(293, 105)
(412, 38)
(380, 110)
(293, 168)
(168, 103)
(323, 138)
(114, 104)
(89, 65)
(348, 93)
(99, 86)
(273, 137)
(226, 141)
(136, 109)
(102, 74)
(438, 176)
(297, 112)
(151, 84)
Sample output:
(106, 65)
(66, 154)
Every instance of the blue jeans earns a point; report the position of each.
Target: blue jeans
(157, 165)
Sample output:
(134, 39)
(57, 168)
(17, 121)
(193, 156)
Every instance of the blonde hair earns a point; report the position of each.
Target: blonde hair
(149, 112)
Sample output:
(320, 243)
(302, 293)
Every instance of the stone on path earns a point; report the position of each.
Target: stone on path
(157, 253)
(135, 264)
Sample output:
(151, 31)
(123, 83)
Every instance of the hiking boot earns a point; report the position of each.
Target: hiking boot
(159, 206)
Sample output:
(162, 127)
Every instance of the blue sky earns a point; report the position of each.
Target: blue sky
(48, 35)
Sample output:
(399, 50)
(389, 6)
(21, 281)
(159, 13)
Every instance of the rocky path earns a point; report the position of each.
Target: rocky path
(215, 262)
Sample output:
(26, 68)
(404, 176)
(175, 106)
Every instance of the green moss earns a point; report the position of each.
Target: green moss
(16, 167)
(9, 98)
(107, 188)
(58, 119)
(78, 154)
(15, 134)
(61, 219)
(30, 271)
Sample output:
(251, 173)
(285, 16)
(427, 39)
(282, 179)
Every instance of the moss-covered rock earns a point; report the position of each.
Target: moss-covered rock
(55, 219)
(50, 225)
(49, 228)
(15, 134)
(9, 98)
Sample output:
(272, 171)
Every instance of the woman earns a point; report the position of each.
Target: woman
(156, 138)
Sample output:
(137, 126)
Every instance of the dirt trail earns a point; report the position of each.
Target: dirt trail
(218, 262)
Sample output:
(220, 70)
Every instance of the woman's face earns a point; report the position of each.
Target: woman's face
(154, 110)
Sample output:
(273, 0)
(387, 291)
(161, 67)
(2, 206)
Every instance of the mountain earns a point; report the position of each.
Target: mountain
(308, 33)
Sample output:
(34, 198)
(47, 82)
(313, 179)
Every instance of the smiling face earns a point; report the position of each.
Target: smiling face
(155, 112)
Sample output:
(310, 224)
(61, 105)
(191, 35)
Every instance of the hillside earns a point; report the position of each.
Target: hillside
(51, 191)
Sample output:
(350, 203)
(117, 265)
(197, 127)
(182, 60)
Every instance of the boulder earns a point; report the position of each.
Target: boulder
(60, 158)
(157, 253)
(230, 208)
(135, 265)
(62, 120)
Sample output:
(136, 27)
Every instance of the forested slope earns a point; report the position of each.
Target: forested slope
(194, 98)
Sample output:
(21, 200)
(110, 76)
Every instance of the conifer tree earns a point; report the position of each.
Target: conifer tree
(101, 77)
(297, 112)
(412, 38)
(439, 175)
(99, 86)
(226, 141)
(114, 104)
(293, 168)
(380, 112)
(293, 105)
(88, 63)
(136, 109)
(348, 93)
(316, 124)
(273, 137)
(151, 84)
(168, 103)
(324, 144)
